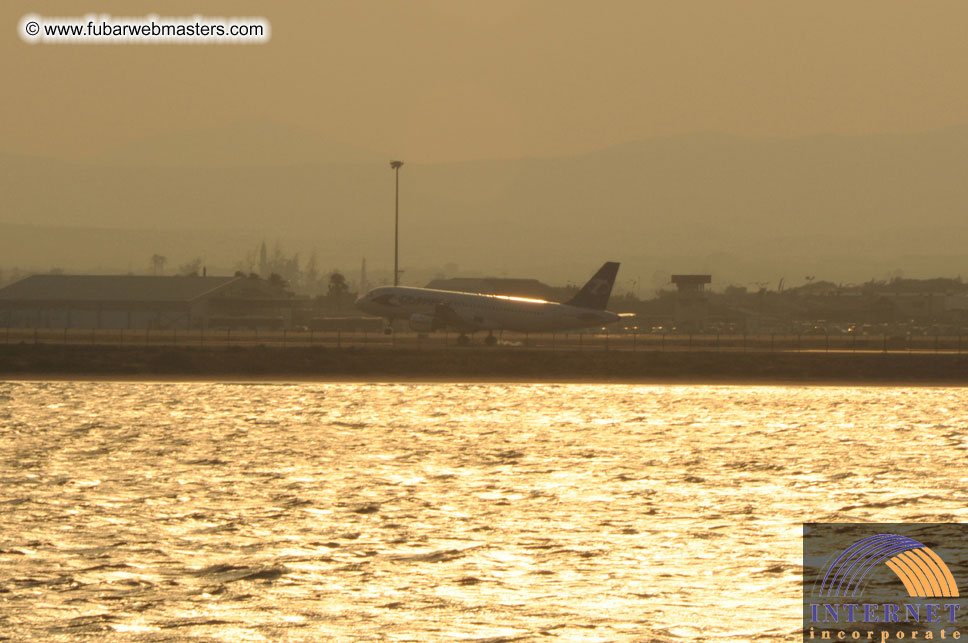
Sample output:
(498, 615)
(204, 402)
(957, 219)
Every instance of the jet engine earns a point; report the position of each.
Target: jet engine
(422, 323)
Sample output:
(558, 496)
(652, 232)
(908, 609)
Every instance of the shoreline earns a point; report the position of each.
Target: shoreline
(283, 380)
(477, 365)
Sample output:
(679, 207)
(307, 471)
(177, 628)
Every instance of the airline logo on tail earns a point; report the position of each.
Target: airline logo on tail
(599, 287)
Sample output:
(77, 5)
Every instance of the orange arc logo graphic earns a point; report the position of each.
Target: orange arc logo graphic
(923, 573)
(921, 570)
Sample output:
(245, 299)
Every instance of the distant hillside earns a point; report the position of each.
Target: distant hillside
(250, 143)
(837, 208)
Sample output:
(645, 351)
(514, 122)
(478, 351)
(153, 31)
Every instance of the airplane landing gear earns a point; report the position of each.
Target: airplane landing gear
(463, 340)
(388, 330)
(490, 340)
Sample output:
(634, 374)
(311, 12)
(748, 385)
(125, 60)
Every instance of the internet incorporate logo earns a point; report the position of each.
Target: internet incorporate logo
(881, 582)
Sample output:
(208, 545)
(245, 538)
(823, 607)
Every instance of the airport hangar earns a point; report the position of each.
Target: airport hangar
(144, 302)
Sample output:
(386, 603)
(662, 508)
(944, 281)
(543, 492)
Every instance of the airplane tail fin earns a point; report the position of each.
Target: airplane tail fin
(596, 292)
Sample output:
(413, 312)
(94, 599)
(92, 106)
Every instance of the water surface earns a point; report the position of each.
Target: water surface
(421, 512)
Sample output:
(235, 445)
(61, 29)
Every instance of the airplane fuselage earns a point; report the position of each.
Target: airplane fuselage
(473, 312)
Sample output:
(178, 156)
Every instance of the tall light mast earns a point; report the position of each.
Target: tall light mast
(396, 165)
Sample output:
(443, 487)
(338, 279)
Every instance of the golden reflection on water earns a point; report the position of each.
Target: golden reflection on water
(447, 512)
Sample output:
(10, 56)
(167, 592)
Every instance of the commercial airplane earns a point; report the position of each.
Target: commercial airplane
(427, 309)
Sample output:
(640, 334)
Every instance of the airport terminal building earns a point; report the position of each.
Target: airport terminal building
(141, 302)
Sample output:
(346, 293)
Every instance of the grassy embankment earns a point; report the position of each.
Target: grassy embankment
(478, 363)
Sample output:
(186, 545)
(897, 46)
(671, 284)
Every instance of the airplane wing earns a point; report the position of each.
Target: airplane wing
(447, 316)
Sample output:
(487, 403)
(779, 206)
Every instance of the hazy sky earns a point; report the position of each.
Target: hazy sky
(448, 80)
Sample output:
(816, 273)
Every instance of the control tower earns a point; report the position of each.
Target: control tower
(692, 305)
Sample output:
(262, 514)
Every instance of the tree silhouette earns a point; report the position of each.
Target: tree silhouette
(158, 264)
(337, 290)
(279, 283)
(192, 268)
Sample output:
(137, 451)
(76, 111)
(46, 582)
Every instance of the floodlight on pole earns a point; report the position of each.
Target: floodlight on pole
(396, 224)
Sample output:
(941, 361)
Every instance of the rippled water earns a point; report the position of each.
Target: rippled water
(159, 511)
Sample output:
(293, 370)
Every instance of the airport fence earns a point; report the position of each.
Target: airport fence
(624, 341)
